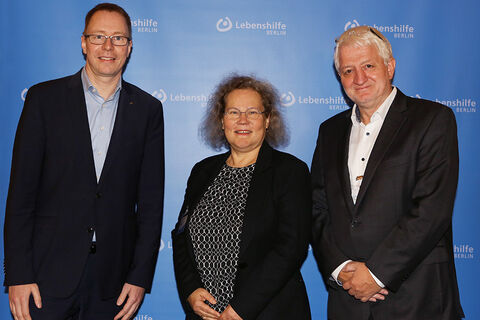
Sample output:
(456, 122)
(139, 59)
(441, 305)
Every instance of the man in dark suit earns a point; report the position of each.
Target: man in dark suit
(384, 176)
(85, 203)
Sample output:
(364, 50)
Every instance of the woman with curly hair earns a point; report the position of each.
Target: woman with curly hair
(243, 230)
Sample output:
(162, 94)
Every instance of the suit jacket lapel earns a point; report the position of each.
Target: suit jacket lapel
(199, 186)
(391, 125)
(205, 179)
(126, 105)
(256, 195)
(343, 173)
(80, 127)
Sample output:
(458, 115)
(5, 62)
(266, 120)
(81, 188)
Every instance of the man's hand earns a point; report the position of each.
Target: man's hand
(19, 296)
(197, 301)
(229, 314)
(346, 273)
(135, 296)
(361, 284)
(379, 295)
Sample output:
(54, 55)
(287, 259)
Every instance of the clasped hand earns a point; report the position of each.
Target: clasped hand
(358, 281)
(197, 301)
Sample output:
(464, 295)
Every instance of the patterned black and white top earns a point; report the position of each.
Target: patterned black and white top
(215, 228)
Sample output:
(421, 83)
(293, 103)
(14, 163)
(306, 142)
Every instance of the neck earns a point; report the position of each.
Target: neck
(366, 112)
(242, 159)
(104, 85)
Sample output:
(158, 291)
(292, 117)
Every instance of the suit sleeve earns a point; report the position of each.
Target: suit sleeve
(27, 164)
(149, 203)
(186, 273)
(419, 231)
(293, 209)
(325, 250)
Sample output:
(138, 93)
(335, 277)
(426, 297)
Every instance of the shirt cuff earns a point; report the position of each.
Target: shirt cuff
(336, 272)
(380, 283)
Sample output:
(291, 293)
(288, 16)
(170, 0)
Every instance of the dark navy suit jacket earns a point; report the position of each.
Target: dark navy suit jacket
(55, 203)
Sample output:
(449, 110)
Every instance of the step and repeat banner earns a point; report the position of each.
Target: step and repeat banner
(183, 48)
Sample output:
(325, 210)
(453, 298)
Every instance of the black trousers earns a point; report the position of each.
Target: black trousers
(84, 304)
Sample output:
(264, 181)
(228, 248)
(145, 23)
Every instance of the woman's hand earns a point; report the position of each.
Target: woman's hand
(229, 314)
(197, 301)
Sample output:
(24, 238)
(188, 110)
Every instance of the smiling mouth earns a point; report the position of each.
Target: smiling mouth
(106, 58)
(242, 131)
(363, 88)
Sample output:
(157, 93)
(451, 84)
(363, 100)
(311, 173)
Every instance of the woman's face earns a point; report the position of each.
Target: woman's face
(244, 133)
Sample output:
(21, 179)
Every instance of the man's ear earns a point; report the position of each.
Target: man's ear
(391, 68)
(84, 44)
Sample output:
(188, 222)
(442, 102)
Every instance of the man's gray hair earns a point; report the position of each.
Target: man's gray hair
(360, 37)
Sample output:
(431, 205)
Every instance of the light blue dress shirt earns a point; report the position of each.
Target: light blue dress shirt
(101, 119)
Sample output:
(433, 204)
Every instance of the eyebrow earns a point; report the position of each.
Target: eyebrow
(238, 108)
(363, 62)
(116, 33)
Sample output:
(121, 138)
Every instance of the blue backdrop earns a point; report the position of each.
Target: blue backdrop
(183, 48)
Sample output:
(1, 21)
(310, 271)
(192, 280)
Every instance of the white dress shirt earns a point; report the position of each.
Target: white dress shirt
(362, 140)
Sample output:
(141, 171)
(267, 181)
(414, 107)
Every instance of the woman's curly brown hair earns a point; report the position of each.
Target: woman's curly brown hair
(211, 128)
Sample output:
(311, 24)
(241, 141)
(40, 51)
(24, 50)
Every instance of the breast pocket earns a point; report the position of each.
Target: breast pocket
(394, 162)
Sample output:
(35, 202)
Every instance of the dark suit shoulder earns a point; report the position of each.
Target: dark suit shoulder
(288, 171)
(427, 106)
(143, 96)
(51, 85)
(49, 96)
(333, 121)
(205, 170)
(287, 160)
(210, 161)
(425, 112)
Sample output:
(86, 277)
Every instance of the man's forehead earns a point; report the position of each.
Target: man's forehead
(108, 19)
(352, 51)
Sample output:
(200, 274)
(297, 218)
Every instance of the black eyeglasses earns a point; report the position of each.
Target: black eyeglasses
(100, 39)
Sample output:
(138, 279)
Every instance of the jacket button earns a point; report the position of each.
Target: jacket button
(90, 229)
(98, 195)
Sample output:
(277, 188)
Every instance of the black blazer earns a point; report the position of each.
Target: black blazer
(401, 224)
(54, 201)
(274, 237)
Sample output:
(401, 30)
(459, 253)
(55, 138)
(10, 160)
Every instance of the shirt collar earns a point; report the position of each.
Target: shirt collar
(89, 87)
(380, 113)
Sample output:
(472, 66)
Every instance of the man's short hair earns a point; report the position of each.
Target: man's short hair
(363, 36)
(110, 7)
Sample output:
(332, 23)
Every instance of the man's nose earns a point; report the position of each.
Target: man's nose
(107, 45)
(360, 76)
